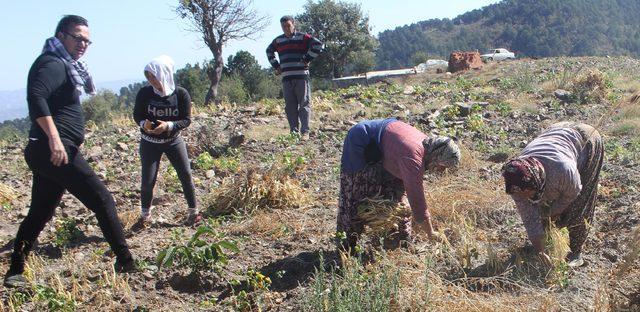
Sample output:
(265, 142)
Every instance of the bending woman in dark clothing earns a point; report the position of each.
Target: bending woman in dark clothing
(162, 110)
(53, 155)
(388, 157)
(556, 178)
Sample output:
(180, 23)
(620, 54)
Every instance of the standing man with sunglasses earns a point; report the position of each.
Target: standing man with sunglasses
(54, 85)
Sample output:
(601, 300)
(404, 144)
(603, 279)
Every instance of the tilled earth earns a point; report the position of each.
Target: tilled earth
(285, 244)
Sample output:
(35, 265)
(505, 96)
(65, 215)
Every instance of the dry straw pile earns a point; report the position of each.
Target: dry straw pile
(382, 216)
(7, 194)
(253, 190)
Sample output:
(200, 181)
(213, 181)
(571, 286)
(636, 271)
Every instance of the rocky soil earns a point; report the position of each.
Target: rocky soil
(493, 113)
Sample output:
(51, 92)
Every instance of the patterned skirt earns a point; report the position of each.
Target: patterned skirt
(579, 216)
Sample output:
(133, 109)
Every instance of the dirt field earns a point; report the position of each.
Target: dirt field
(285, 239)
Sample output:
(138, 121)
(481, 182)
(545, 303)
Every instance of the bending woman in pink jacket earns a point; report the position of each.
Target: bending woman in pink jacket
(388, 157)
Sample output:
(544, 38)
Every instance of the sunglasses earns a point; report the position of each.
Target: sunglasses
(79, 39)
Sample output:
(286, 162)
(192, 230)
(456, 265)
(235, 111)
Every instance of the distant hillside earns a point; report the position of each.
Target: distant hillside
(531, 28)
(13, 103)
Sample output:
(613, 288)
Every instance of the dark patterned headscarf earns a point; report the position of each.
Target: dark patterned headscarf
(524, 173)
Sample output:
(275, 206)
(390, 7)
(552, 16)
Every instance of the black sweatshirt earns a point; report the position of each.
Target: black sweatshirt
(50, 92)
(175, 108)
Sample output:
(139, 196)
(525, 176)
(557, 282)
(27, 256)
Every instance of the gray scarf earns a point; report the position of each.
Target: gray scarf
(76, 69)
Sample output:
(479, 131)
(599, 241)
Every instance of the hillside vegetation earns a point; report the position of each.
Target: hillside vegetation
(531, 28)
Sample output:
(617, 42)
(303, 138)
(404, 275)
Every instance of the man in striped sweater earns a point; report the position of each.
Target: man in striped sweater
(295, 51)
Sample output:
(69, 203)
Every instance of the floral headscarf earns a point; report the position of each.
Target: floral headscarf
(524, 173)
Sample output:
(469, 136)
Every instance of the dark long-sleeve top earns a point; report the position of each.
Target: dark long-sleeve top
(175, 109)
(50, 92)
(295, 53)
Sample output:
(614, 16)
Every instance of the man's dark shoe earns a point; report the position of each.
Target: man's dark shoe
(125, 267)
(140, 225)
(15, 280)
(193, 219)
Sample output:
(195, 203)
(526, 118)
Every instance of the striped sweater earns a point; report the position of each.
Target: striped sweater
(295, 53)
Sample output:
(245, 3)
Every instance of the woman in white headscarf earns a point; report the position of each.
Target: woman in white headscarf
(162, 110)
(388, 158)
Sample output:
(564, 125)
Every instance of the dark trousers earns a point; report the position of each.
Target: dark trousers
(49, 183)
(297, 99)
(150, 155)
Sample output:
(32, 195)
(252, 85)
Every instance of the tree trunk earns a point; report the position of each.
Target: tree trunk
(338, 67)
(215, 74)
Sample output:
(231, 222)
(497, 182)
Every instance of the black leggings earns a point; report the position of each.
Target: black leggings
(49, 183)
(150, 154)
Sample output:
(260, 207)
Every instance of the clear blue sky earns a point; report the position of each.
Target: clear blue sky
(127, 34)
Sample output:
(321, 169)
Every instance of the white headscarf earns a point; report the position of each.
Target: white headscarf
(161, 67)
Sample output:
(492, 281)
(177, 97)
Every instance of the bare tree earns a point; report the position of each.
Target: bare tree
(219, 21)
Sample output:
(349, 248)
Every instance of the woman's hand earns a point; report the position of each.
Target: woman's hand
(437, 237)
(147, 126)
(427, 228)
(162, 126)
(59, 155)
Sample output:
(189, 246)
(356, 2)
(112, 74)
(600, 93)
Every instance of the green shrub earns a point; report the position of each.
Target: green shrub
(197, 254)
(204, 161)
(66, 231)
(54, 300)
(232, 90)
(475, 123)
(99, 108)
(293, 163)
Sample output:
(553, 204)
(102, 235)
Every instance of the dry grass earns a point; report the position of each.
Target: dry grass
(267, 132)
(524, 102)
(273, 224)
(122, 121)
(589, 86)
(129, 217)
(557, 245)
(464, 193)
(382, 216)
(251, 191)
(74, 286)
(635, 98)
(423, 288)
(321, 104)
(628, 118)
(7, 195)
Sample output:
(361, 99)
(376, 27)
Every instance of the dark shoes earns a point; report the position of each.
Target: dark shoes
(574, 260)
(125, 267)
(193, 218)
(15, 280)
(140, 225)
